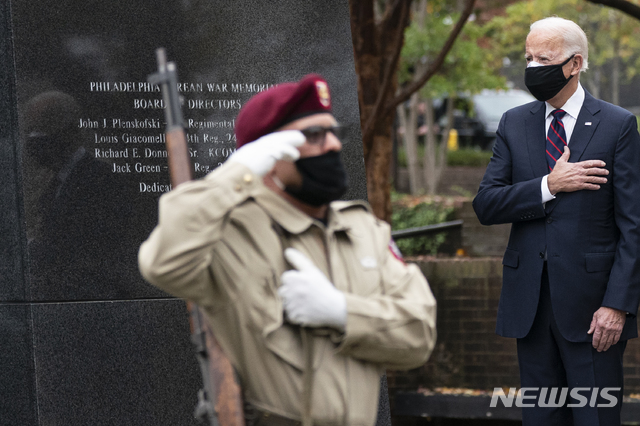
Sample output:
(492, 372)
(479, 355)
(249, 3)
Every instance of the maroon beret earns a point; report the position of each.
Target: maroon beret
(275, 107)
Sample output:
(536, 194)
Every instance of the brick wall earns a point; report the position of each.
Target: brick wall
(480, 240)
(468, 353)
(460, 180)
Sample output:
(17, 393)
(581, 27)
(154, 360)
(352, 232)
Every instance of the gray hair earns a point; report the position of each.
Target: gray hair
(574, 39)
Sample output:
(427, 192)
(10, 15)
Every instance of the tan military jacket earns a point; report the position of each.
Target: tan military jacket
(219, 243)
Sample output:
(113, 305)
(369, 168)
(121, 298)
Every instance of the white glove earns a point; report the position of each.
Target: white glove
(261, 155)
(308, 297)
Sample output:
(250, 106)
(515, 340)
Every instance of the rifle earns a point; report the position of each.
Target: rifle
(220, 399)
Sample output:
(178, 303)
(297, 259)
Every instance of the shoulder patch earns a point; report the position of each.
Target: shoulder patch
(395, 251)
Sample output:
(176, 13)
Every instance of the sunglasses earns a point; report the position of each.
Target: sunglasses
(316, 135)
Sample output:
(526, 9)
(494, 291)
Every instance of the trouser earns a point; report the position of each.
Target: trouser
(548, 360)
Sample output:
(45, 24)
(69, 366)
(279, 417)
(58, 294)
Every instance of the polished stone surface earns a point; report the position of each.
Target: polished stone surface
(12, 286)
(84, 339)
(17, 380)
(112, 363)
(93, 157)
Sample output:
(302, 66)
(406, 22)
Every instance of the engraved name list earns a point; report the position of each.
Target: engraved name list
(135, 144)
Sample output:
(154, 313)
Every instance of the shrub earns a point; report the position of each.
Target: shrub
(409, 215)
(469, 158)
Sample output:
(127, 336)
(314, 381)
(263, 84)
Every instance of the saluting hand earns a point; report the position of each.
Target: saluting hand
(570, 177)
(261, 155)
(309, 299)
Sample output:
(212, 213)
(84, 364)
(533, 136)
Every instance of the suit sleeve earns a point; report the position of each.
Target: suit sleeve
(623, 288)
(500, 199)
(177, 254)
(396, 329)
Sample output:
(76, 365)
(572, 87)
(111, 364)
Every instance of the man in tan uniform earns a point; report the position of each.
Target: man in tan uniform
(304, 294)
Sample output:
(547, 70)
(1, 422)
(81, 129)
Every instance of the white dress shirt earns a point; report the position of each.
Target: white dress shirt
(572, 108)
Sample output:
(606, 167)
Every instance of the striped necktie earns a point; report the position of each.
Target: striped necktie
(556, 138)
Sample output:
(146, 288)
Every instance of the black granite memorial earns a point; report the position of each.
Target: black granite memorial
(84, 340)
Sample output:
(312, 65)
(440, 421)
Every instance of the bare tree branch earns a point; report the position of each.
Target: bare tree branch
(622, 5)
(391, 65)
(437, 63)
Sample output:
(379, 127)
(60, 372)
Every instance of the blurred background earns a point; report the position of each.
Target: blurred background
(434, 79)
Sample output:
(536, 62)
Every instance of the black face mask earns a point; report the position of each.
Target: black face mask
(546, 81)
(324, 179)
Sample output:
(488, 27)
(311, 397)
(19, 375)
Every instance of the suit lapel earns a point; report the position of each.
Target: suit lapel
(583, 132)
(534, 129)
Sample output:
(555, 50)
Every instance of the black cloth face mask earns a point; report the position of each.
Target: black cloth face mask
(546, 81)
(324, 179)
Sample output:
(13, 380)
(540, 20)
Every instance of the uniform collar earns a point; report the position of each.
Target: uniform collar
(293, 220)
(335, 220)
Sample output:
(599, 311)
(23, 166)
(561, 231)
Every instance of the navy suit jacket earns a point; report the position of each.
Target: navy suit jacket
(591, 238)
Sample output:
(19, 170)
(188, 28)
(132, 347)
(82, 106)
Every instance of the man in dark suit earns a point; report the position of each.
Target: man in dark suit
(565, 172)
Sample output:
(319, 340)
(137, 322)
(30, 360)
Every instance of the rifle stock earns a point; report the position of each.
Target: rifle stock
(178, 156)
(220, 402)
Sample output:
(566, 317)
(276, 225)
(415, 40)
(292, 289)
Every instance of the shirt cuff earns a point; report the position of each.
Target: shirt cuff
(546, 194)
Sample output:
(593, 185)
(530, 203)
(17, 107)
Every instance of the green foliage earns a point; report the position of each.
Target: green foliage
(469, 157)
(467, 68)
(412, 215)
